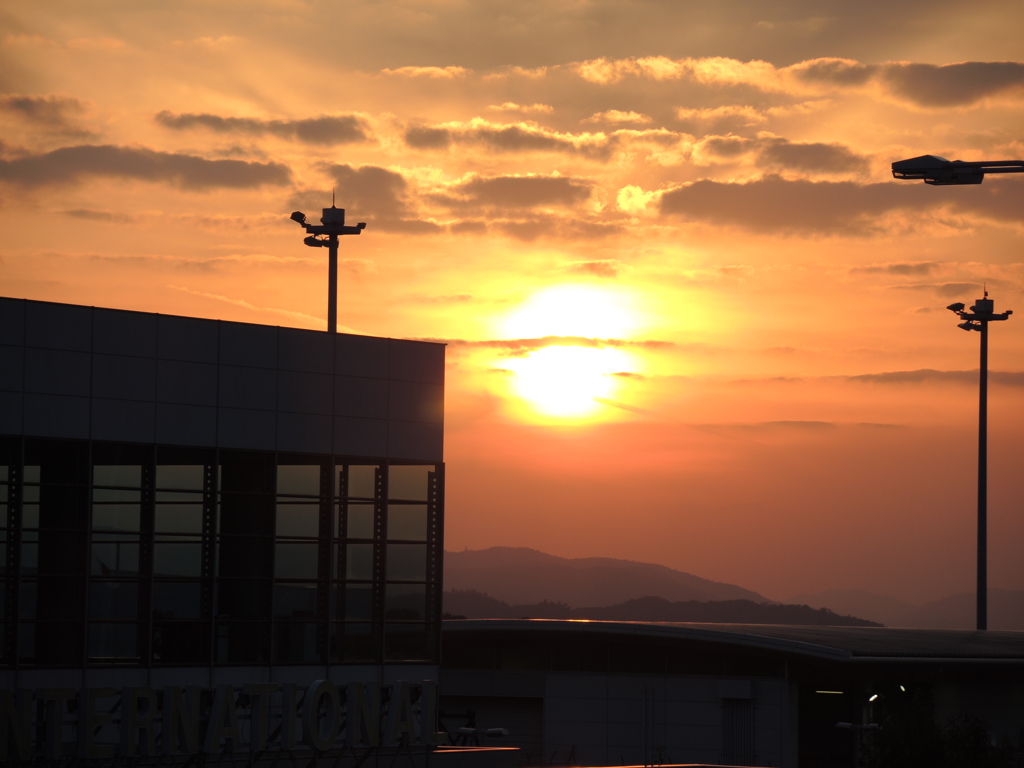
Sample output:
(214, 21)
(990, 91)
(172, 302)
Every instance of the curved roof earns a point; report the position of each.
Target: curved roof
(836, 643)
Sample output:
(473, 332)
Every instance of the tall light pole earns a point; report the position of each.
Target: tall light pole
(939, 171)
(977, 319)
(332, 225)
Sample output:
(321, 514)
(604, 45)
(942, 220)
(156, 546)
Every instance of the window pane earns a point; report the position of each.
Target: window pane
(30, 474)
(303, 480)
(360, 521)
(180, 641)
(362, 481)
(173, 600)
(29, 556)
(408, 483)
(125, 476)
(406, 642)
(112, 640)
(115, 517)
(359, 561)
(113, 600)
(241, 599)
(405, 602)
(407, 521)
(295, 643)
(298, 520)
(116, 494)
(407, 562)
(295, 601)
(30, 515)
(179, 518)
(177, 558)
(360, 642)
(241, 642)
(296, 560)
(27, 600)
(184, 477)
(358, 602)
(115, 558)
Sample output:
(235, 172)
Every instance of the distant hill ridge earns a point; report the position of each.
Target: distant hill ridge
(1005, 608)
(519, 575)
(472, 604)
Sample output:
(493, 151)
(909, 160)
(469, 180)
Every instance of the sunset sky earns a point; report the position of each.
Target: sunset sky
(691, 317)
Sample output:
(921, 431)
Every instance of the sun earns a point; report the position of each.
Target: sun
(567, 382)
(572, 378)
(572, 310)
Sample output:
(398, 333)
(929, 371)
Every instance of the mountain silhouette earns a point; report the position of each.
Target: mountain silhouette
(1005, 608)
(518, 575)
(472, 604)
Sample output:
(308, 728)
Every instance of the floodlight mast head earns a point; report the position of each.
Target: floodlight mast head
(941, 172)
(325, 235)
(981, 312)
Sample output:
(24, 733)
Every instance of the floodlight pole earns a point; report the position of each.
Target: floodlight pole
(981, 603)
(332, 225)
(332, 284)
(977, 318)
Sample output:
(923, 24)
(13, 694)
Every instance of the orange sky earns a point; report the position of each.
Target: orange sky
(692, 319)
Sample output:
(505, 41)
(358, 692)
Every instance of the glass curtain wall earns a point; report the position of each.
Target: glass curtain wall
(139, 555)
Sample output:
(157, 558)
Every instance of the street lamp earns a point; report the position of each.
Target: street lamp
(939, 171)
(332, 225)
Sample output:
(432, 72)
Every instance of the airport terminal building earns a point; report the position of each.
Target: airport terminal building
(211, 506)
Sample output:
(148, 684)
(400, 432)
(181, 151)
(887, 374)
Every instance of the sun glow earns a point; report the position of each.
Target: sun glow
(572, 310)
(568, 382)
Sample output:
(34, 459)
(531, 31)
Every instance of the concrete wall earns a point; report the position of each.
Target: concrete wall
(69, 371)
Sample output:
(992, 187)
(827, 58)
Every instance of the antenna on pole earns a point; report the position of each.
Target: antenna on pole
(325, 235)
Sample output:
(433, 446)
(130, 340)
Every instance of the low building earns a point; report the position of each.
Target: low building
(197, 507)
(616, 693)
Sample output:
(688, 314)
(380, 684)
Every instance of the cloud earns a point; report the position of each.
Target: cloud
(520, 137)
(503, 192)
(775, 204)
(617, 116)
(434, 73)
(723, 119)
(928, 85)
(511, 106)
(326, 129)
(810, 156)
(930, 375)
(522, 347)
(51, 113)
(598, 268)
(896, 268)
(948, 290)
(72, 164)
(924, 85)
(379, 196)
(774, 152)
(88, 214)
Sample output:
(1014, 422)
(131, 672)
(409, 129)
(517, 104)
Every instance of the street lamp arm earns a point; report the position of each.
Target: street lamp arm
(939, 171)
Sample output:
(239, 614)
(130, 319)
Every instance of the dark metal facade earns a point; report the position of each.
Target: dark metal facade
(152, 555)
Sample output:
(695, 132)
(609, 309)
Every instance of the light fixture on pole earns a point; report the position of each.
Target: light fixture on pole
(939, 171)
(332, 225)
